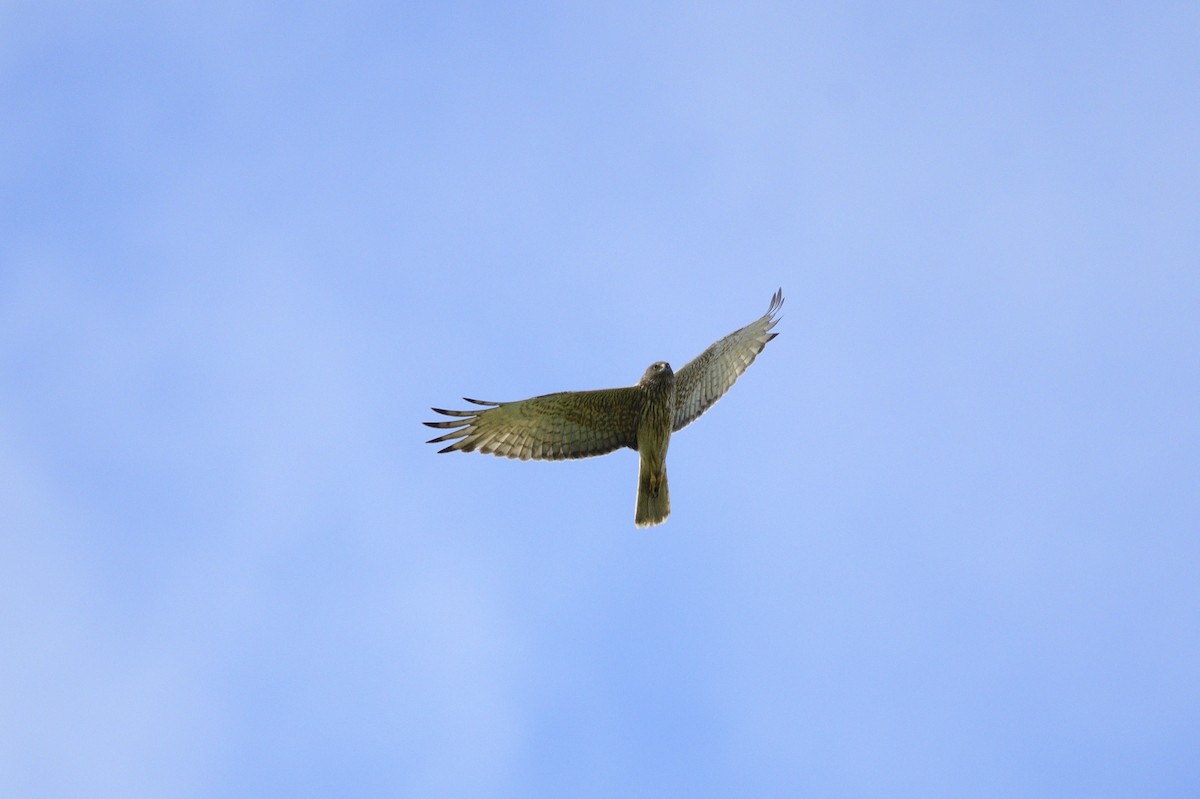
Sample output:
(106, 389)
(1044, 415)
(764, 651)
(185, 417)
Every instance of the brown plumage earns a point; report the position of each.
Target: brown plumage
(579, 424)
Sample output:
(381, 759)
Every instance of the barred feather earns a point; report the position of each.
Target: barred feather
(569, 424)
(706, 378)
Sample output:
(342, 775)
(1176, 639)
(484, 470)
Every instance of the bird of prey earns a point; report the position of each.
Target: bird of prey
(579, 424)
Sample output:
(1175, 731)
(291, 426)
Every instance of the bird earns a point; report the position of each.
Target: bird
(581, 424)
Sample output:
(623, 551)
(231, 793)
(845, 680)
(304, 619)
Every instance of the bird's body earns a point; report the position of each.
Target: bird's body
(579, 424)
(653, 437)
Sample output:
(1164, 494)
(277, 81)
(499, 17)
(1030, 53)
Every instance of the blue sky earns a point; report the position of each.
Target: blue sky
(940, 540)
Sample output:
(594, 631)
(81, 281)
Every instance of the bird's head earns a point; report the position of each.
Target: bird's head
(658, 373)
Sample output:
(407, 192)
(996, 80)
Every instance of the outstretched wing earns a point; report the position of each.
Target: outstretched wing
(570, 424)
(707, 377)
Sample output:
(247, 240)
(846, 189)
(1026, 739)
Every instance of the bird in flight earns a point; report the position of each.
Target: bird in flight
(580, 424)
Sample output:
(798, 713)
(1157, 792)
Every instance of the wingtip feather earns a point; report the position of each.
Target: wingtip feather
(776, 301)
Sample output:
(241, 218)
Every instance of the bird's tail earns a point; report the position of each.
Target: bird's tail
(653, 499)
